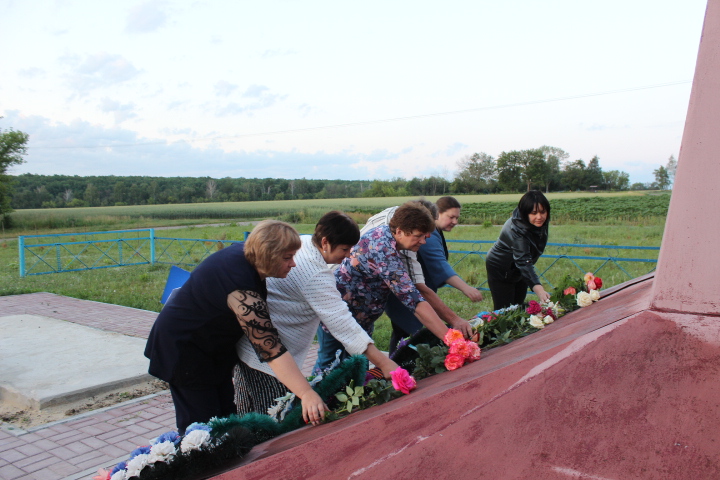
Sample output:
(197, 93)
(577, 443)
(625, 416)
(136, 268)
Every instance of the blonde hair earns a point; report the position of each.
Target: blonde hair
(268, 242)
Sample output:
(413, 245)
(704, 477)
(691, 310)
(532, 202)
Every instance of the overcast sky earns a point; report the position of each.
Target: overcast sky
(342, 89)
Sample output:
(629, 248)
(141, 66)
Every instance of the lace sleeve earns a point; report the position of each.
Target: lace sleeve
(252, 313)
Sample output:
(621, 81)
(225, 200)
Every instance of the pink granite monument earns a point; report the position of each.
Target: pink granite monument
(627, 388)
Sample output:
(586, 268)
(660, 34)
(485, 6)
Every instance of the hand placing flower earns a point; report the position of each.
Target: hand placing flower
(402, 381)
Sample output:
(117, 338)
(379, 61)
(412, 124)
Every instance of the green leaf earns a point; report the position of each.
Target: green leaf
(356, 401)
(341, 397)
(359, 391)
(349, 407)
(349, 390)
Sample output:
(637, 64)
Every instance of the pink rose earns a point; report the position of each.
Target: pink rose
(402, 381)
(452, 335)
(588, 276)
(569, 291)
(454, 361)
(533, 308)
(460, 347)
(473, 352)
(591, 285)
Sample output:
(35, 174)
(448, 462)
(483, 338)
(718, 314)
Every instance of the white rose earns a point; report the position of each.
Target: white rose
(135, 466)
(548, 319)
(595, 295)
(194, 440)
(536, 322)
(162, 452)
(584, 299)
(119, 475)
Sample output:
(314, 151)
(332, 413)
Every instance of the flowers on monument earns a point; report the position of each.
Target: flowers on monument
(460, 351)
(452, 335)
(533, 307)
(195, 440)
(536, 322)
(402, 380)
(584, 299)
(592, 282)
(162, 452)
(135, 466)
(545, 314)
(119, 475)
(453, 361)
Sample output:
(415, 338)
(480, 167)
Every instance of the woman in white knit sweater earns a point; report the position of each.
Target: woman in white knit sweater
(298, 303)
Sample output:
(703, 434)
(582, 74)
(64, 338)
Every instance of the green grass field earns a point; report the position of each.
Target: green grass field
(141, 286)
(28, 222)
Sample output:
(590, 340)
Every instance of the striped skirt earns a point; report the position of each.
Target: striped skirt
(255, 391)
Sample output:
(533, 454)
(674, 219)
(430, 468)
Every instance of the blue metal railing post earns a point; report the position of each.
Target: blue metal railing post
(152, 246)
(21, 248)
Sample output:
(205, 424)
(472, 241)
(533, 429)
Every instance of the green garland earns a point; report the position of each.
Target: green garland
(233, 437)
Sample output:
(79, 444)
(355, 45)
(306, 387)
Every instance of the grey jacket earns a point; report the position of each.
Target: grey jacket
(516, 250)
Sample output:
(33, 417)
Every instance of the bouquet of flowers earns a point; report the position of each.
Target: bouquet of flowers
(572, 293)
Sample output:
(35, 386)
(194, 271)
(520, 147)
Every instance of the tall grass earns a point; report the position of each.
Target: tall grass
(25, 222)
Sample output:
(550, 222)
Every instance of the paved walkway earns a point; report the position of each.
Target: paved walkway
(76, 447)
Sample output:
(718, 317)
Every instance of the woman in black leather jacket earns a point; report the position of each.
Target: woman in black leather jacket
(510, 262)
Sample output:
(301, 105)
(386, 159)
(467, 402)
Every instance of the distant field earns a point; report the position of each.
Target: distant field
(141, 286)
(25, 222)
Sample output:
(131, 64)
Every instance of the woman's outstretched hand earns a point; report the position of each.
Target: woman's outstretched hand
(313, 407)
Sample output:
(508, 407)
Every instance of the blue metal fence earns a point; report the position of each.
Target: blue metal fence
(41, 254)
(557, 254)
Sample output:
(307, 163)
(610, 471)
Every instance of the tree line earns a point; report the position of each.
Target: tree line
(545, 168)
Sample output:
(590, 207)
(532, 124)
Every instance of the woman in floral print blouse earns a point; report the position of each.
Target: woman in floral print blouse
(374, 271)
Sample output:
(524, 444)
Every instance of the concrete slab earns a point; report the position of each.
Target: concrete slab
(46, 362)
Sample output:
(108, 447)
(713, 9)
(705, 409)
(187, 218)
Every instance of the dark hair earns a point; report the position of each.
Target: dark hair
(411, 216)
(446, 203)
(432, 208)
(529, 200)
(338, 228)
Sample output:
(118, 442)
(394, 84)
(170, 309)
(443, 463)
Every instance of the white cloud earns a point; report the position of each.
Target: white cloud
(99, 70)
(146, 17)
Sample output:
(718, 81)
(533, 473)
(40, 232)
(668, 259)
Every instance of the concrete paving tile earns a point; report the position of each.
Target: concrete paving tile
(79, 448)
(75, 437)
(10, 472)
(93, 442)
(62, 468)
(11, 443)
(29, 449)
(62, 453)
(113, 451)
(28, 463)
(92, 430)
(13, 455)
(45, 444)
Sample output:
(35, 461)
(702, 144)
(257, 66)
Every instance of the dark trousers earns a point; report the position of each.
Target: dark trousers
(404, 322)
(201, 405)
(505, 292)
